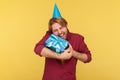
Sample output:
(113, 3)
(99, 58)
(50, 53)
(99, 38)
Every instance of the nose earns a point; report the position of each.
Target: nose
(59, 31)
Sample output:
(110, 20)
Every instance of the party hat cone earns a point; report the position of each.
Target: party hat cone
(56, 12)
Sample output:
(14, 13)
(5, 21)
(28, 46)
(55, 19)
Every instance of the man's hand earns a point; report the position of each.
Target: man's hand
(80, 56)
(67, 54)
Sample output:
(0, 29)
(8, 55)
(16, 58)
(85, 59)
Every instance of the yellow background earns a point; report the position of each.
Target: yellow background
(24, 22)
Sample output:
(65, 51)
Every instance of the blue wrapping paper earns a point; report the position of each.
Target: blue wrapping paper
(56, 43)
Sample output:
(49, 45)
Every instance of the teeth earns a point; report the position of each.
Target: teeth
(61, 34)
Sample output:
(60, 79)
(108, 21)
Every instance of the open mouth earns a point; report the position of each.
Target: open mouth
(61, 35)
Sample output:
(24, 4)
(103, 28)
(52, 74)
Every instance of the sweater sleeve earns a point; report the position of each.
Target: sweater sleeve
(84, 49)
(41, 44)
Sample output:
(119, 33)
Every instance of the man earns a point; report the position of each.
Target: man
(62, 66)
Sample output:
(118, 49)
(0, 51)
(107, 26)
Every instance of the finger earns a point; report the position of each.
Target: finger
(69, 45)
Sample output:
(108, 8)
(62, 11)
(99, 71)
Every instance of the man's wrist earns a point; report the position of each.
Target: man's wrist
(75, 54)
(58, 56)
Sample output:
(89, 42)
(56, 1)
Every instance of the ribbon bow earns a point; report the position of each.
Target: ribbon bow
(56, 43)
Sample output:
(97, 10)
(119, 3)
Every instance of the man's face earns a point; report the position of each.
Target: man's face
(59, 30)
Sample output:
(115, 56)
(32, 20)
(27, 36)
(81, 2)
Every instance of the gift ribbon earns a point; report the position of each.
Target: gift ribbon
(56, 43)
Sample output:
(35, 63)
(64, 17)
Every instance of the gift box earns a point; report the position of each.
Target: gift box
(56, 43)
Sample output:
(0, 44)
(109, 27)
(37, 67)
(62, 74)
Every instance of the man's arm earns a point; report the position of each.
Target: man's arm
(41, 50)
(67, 54)
(81, 56)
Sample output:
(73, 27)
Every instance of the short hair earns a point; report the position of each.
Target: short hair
(60, 21)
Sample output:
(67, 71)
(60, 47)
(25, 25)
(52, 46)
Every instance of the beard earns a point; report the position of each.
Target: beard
(64, 35)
